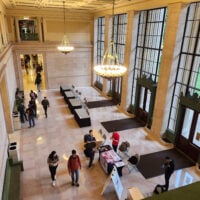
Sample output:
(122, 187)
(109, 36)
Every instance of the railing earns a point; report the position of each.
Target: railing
(29, 36)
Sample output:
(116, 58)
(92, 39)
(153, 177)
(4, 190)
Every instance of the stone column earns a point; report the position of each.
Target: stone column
(166, 66)
(127, 54)
(39, 28)
(17, 30)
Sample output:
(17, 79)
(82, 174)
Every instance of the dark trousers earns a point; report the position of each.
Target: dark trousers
(31, 121)
(23, 117)
(114, 147)
(45, 110)
(52, 170)
(167, 177)
(91, 156)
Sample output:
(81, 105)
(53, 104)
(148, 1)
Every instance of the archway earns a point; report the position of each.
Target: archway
(30, 63)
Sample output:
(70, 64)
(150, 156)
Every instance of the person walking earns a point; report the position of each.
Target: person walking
(33, 105)
(31, 115)
(74, 164)
(45, 104)
(115, 140)
(169, 169)
(53, 161)
(38, 81)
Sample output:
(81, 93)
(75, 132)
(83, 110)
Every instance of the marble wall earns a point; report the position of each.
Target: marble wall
(3, 146)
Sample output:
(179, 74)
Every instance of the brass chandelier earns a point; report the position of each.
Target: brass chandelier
(110, 67)
(65, 46)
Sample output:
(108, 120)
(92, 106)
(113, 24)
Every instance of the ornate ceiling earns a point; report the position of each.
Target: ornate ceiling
(89, 5)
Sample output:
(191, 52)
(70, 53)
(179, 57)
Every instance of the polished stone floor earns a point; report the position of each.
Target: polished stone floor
(61, 133)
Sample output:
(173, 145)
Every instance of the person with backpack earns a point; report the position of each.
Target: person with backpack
(33, 95)
(33, 105)
(31, 115)
(74, 164)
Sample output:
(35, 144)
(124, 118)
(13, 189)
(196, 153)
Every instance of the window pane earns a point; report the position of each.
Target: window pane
(196, 139)
(187, 123)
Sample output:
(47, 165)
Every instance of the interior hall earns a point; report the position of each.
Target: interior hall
(130, 67)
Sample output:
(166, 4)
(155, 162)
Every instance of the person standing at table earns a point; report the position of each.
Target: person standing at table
(74, 164)
(90, 151)
(45, 105)
(89, 137)
(115, 140)
(52, 161)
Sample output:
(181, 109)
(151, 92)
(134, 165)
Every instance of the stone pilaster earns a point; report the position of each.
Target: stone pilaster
(174, 11)
(6, 106)
(123, 105)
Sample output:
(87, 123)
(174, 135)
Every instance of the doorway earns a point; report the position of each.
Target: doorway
(30, 64)
(144, 100)
(116, 89)
(188, 139)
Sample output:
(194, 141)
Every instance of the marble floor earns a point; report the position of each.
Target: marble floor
(61, 133)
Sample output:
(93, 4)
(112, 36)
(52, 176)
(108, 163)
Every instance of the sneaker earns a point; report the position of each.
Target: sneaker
(54, 183)
(73, 184)
(77, 184)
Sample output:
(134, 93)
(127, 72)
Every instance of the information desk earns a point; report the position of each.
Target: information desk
(74, 104)
(98, 137)
(110, 158)
(82, 117)
(68, 95)
(64, 88)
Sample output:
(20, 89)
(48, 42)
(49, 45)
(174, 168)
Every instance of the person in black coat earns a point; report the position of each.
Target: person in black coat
(38, 81)
(90, 151)
(22, 112)
(169, 169)
(45, 105)
(30, 113)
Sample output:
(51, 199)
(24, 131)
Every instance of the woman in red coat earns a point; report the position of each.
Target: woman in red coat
(115, 140)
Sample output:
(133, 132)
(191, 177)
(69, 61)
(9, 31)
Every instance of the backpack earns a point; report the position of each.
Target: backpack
(133, 160)
(159, 189)
(124, 146)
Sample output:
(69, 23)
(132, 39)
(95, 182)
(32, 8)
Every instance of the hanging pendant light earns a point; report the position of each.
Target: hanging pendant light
(65, 46)
(110, 67)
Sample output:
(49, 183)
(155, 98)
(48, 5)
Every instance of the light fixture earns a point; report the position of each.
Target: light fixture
(110, 67)
(65, 46)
